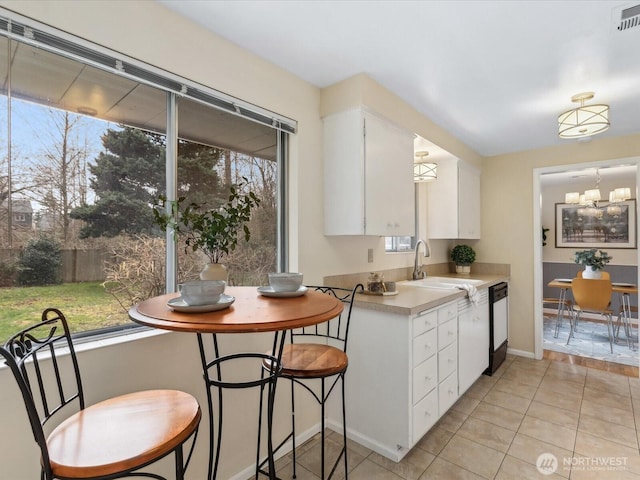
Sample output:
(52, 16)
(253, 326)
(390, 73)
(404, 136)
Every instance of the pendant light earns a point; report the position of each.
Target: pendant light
(424, 171)
(584, 120)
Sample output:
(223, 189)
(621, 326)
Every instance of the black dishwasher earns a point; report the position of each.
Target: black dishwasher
(498, 326)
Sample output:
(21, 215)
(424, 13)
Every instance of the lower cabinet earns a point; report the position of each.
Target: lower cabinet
(402, 376)
(473, 339)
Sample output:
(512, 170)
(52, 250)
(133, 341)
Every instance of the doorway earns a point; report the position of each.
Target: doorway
(555, 259)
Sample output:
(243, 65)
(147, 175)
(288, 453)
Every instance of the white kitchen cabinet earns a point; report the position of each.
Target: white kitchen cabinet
(402, 376)
(368, 176)
(453, 201)
(473, 339)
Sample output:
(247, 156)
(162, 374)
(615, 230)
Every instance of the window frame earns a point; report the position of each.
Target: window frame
(20, 29)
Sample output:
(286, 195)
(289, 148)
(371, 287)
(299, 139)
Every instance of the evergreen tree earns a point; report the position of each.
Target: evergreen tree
(130, 174)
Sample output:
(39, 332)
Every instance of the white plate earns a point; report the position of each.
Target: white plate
(563, 280)
(620, 284)
(270, 292)
(179, 305)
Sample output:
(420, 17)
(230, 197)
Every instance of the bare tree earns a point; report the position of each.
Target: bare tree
(59, 173)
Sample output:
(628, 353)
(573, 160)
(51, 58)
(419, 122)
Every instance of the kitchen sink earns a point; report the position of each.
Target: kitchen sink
(441, 283)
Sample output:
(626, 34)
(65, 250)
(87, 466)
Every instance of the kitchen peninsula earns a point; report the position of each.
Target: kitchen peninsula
(411, 356)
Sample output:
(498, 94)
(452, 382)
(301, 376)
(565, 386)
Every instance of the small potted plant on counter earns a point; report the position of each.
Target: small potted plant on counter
(593, 261)
(463, 256)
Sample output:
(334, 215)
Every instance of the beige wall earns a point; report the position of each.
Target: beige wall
(147, 31)
(507, 217)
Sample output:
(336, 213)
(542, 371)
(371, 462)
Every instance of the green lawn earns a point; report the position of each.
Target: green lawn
(86, 305)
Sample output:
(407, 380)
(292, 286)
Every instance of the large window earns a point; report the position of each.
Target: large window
(83, 158)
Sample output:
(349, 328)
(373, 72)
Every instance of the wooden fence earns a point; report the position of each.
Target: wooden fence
(77, 265)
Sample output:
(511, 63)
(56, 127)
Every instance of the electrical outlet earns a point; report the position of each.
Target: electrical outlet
(370, 255)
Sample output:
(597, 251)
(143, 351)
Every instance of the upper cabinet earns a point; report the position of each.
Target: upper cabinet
(368, 176)
(453, 201)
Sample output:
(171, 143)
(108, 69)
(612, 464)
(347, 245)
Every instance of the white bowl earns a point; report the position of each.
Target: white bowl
(285, 282)
(202, 292)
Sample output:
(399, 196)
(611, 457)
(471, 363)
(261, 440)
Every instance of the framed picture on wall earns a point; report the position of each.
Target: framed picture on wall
(610, 225)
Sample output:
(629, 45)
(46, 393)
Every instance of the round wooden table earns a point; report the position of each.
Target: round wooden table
(251, 312)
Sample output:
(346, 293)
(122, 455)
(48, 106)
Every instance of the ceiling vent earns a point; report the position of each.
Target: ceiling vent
(626, 17)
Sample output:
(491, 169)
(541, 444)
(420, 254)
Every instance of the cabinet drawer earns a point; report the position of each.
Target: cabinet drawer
(447, 312)
(447, 360)
(425, 414)
(425, 322)
(425, 378)
(424, 346)
(447, 393)
(447, 333)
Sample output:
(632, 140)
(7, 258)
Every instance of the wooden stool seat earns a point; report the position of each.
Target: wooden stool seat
(312, 360)
(92, 442)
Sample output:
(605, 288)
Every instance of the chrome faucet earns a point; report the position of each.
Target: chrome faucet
(417, 270)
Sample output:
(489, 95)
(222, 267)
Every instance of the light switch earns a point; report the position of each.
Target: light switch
(370, 255)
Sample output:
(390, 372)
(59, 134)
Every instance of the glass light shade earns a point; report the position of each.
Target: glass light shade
(583, 121)
(572, 197)
(425, 172)
(592, 195)
(582, 200)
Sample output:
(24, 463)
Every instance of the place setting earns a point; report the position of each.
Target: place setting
(201, 296)
(284, 285)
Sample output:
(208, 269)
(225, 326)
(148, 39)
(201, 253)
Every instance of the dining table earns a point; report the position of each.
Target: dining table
(624, 290)
(241, 310)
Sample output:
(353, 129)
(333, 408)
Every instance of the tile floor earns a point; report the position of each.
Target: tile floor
(591, 340)
(586, 418)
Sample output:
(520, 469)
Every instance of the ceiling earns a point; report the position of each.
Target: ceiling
(45, 78)
(495, 74)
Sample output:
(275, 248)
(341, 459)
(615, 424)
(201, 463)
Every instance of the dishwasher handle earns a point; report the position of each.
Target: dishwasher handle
(498, 292)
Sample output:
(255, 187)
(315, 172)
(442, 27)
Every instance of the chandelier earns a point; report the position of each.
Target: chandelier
(584, 120)
(590, 200)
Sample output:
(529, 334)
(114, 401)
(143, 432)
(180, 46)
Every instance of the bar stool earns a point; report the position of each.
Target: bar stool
(304, 361)
(114, 438)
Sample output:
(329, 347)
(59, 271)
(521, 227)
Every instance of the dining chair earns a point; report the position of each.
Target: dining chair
(625, 321)
(592, 296)
(562, 305)
(319, 353)
(111, 439)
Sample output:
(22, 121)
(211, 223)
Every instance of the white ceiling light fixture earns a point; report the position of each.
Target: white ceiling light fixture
(424, 171)
(585, 120)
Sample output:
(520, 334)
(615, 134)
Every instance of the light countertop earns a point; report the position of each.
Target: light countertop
(413, 300)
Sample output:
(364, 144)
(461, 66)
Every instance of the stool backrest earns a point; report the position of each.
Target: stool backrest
(44, 365)
(592, 294)
(337, 329)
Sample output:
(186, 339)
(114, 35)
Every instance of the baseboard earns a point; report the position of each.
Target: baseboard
(520, 353)
(250, 471)
(392, 454)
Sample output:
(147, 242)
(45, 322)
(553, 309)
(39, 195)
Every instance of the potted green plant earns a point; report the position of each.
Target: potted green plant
(593, 261)
(215, 232)
(463, 256)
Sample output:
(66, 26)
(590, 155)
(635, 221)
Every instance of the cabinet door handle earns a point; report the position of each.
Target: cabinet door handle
(427, 414)
(428, 346)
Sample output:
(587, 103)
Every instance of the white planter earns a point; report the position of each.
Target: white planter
(591, 273)
(463, 268)
(214, 271)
